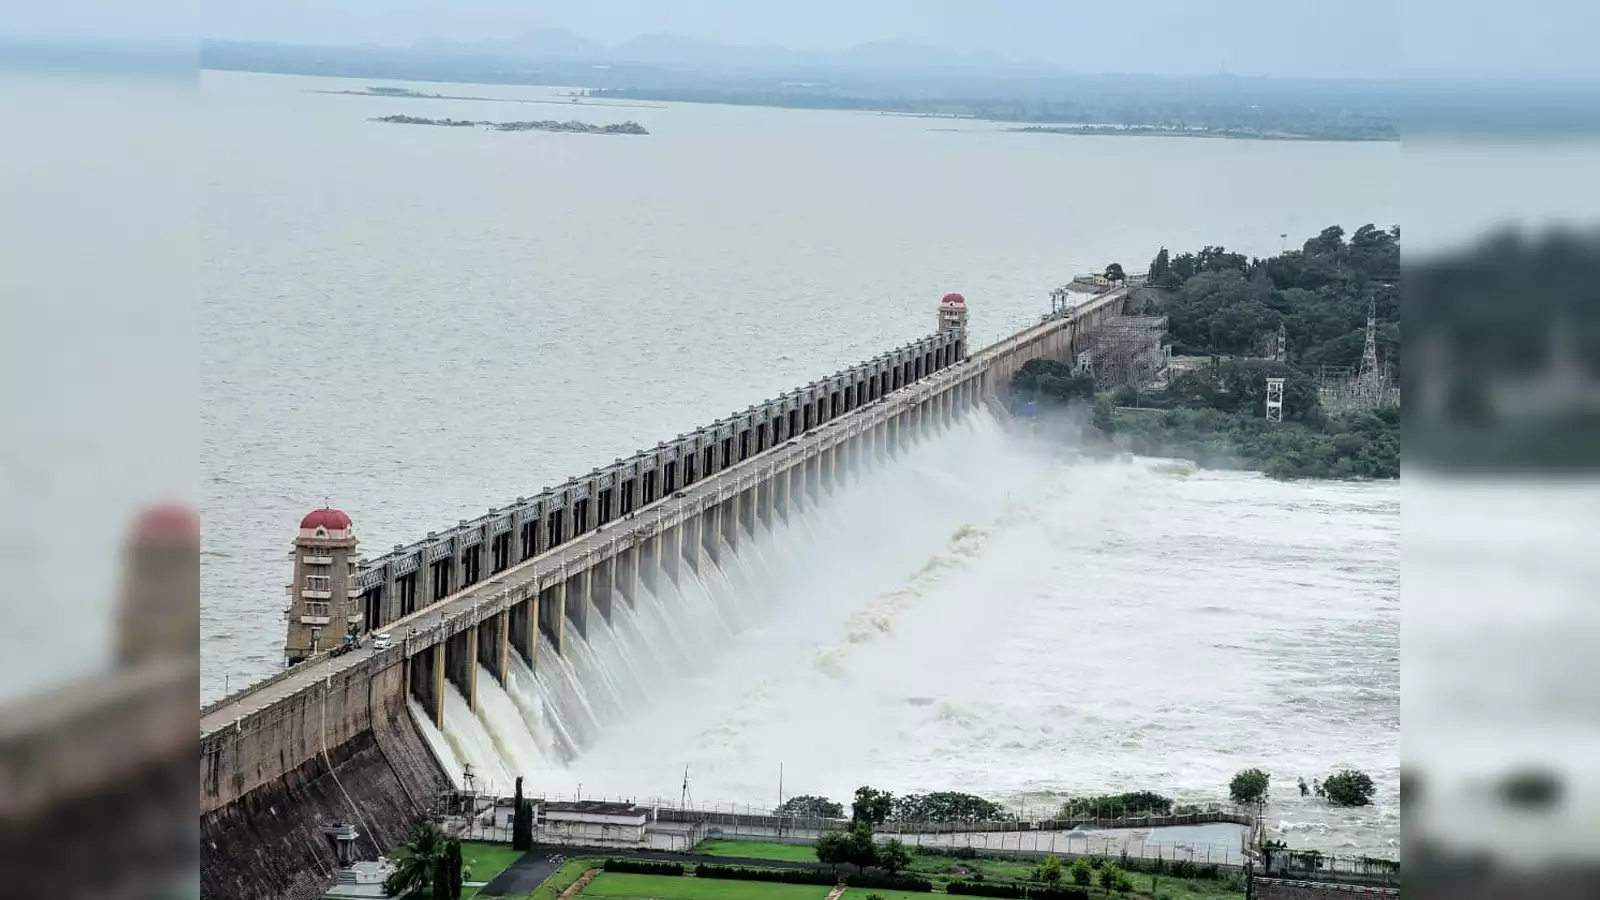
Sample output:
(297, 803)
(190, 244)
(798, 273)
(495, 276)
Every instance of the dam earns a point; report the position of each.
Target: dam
(348, 736)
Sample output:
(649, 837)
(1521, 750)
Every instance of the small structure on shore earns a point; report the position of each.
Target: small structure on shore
(584, 821)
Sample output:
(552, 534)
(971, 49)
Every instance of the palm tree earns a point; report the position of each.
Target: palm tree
(416, 860)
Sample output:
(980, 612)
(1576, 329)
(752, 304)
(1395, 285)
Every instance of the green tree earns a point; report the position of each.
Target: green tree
(1348, 787)
(1082, 871)
(1112, 806)
(1104, 417)
(1051, 870)
(859, 848)
(1160, 273)
(521, 821)
(871, 806)
(416, 861)
(893, 856)
(449, 887)
(947, 806)
(1249, 787)
(811, 807)
(1114, 272)
(1245, 385)
(830, 848)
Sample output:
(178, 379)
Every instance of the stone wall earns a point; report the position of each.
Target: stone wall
(263, 746)
(266, 842)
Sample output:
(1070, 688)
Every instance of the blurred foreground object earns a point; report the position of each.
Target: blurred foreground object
(1500, 679)
(97, 790)
(1506, 368)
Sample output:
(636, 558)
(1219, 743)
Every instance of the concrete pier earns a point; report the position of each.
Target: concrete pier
(541, 569)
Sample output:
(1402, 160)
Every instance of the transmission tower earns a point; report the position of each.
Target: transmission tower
(1369, 382)
(1274, 399)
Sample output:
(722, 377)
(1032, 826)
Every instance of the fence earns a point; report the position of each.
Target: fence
(679, 829)
(1310, 865)
(1134, 843)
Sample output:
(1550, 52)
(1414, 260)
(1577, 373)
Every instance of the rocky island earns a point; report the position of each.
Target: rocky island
(543, 125)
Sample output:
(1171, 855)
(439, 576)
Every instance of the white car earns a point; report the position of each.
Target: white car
(381, 641)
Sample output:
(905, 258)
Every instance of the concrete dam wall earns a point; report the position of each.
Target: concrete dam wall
(344, 750)
(332, 739)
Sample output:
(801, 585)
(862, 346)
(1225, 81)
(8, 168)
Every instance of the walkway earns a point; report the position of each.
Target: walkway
(523, 876)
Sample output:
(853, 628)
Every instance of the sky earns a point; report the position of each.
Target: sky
(1310, 38)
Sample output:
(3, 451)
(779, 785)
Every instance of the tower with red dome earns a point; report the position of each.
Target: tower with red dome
(323, 598)
(953, 315)
(158, 614)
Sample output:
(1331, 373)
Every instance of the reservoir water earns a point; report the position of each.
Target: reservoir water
(415, 323)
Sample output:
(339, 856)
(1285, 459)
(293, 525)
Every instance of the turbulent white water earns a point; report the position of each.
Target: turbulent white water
(984, 616)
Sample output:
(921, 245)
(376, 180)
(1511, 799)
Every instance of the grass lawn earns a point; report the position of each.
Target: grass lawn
(933, 865)
(758, 850)
(487, 860)
(667, 887)
(1184, 889)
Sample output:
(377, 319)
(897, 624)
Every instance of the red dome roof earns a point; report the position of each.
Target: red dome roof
(954, 298)
(331, 519)
(171, 521)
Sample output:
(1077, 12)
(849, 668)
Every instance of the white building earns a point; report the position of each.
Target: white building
(592, 822)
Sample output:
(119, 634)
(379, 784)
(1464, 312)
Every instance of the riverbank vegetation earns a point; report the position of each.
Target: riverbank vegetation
(573, 127)
(1124, 115)
(1348, 787)
(1234, 322)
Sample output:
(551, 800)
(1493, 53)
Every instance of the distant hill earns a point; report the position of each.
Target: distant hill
(673, 51)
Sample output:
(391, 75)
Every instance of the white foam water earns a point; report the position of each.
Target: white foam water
(983, 616)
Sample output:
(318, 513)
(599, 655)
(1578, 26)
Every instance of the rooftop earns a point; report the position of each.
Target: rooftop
(593, 808)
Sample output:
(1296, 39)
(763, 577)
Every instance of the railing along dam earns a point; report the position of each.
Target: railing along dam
(535, 573)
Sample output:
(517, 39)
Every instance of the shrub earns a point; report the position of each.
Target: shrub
(1111, 877)
(785, 876)
(909, 883)
(973, 889)
(854, 846)
(1082, 871)
(893, 856)
(1057, 894)
(1249, 787)
(874, 897)
(1113, 806)
(642, 867)
(1348, 787)
(1051, 870)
